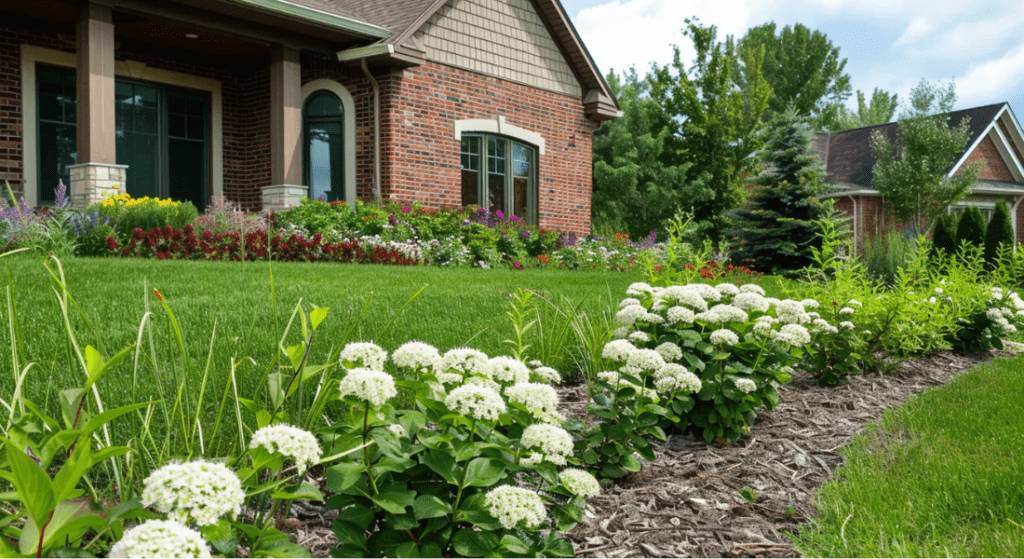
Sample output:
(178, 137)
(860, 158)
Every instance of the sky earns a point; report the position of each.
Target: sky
(888, 44)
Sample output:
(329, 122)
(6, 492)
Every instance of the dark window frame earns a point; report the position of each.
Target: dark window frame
(337, 191)
(506, 162)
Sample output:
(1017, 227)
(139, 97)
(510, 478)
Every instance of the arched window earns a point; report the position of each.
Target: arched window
(323, 150)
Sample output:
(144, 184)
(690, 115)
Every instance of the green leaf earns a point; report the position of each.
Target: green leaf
(630, 463)
(342, 476)
(275, 386)
(429, 506)
(34, 487)
(222, 537)
(613, 471)
(295, 353)
(109, 415)
(70, 520)
(484, 472)
(67, 478)
(317, 315)
(300, 491)
(443, 464)
(515, 545)
(70, 400)
(97, 368)
(395, 498)
(470, 543)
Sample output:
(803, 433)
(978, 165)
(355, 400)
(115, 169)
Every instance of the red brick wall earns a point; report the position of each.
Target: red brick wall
(421, 155)
(993, 166)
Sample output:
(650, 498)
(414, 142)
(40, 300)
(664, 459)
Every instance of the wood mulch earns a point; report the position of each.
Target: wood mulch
(687, 502)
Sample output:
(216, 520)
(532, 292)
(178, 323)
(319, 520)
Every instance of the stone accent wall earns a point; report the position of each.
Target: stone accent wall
(92, 182)
(421, 155)
(501, 38)
(993, 166)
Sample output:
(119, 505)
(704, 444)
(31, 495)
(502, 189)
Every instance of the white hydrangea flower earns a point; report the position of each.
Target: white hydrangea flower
(680, 315)
(706, 292)
(638, 337)
(789, 306)
(855, 303)
(814, 315)
(652, 318)
(752, 288)
(547, 443)
(793, 334)
(398, 431)
(508, 370)
(363, 354)
(541, 400)
(579, 482)
(416, 356)
(846, 310)
(683, 295)
(476, 401)
(745, 385)
(621, 332)
(161, 538)
(721, 314)
(618, 350)
(615, 380)
(197, 491)
(763, 326)
(727, 289)
(639, 289)
(938, 290)
(516, 507)
(373, 387)
(1009, 329)
(464, 361)
(674, 377)
(291, 442)
(643, 360)
(483, 382)
(810, 304)
(669, 351)
(750, 302)
(547, 374)
(822, 325)
(629, 302)
(629, 315)
(724, 337)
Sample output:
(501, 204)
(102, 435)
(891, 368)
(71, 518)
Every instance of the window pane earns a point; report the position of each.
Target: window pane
(496, 193)
(324, 154)
(323, 104)
(187, 172)
(522, 160)
(57, 151)
(470, 188)
(176, 125)
(521, 198)
(196, 127)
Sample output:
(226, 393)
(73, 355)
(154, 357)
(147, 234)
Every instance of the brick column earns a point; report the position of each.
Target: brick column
(97, 171)
(285, 131)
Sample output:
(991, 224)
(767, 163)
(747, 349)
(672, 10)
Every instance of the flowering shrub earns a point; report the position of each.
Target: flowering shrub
(127, 213)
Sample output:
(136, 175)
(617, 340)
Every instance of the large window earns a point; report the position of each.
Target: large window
(499, 174)
(323, 151)
(162, 136)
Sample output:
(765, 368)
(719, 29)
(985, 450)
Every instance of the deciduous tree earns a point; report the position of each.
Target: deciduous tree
(878, 111)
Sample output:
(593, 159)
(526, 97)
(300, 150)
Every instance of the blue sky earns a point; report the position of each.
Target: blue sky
(889, 44)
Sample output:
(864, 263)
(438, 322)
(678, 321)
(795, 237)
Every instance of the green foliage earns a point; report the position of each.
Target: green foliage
(127, 213)
(803, 69)
(913, 172)
(885, 255)
(714, 124)
(944, 235)
(879, 110)
(999, 233)
(971, 228)
(776, 231)
(635, 186)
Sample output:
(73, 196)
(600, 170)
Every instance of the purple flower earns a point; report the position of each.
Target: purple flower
(321, 198)
(61, 194)
(499, 214)
(517, 265)
(406, 209)
(525, 234)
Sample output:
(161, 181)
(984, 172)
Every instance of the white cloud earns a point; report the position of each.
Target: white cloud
(916, 30)
(991, 81)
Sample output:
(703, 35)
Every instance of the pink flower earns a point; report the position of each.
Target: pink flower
(517, 265)
(499, 214)
(405, 209)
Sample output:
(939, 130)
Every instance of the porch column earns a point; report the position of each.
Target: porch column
(97, 174)
(285, 131)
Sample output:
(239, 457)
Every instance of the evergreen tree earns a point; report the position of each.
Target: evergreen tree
(944, 236)
(971, 228)
(999, 232)
(775, 232)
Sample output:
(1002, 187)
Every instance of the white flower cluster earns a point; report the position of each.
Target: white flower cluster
(745, 385)
(727, 289)
(752, 288)
(669, 352)
(764, 326)
(673, 377)
(810, 304)
(372, 387)
(547, 374)
(791, 312)
(618, 350)
(291, 442)
(539, 399)
(579, 482)
(515, 507)
(643, 360)
(721, 314)
(476, 401)
(416, 356)
(822, 325)
(638, 337)
(680, 315)
(724, 337)
(751, 302)
(547, 443)
(629, 315)
(363, 354)
(615, 380)
(507, 370)
(398, 431)
(461, 362)
(161, 538)
(793, 334)
(685, 297)
(639, 289)
(199, 492)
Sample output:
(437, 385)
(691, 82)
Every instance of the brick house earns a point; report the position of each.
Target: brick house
(996, 141)
(448, 102)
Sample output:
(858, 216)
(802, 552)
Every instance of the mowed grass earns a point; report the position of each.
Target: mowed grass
(940, 476)
(457, 307)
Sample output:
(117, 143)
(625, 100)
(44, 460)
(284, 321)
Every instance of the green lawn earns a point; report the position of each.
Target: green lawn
(940, 476)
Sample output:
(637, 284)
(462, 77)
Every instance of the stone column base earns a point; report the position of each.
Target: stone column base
(283, 196)
(92, 182)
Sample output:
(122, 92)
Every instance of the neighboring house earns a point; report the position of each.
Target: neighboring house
(448, 102)
(996, 142)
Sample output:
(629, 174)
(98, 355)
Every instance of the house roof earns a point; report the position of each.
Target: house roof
(850, 163)
(402, 18)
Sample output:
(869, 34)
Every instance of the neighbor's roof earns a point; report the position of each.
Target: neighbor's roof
(847, 154)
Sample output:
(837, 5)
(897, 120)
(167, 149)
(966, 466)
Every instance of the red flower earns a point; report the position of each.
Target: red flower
(157, 293)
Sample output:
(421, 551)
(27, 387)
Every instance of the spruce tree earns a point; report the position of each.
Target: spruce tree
(971, 228)
(944, 236)
(774, 233)
(999, 232)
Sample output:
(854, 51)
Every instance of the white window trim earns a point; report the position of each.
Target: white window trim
(497, 125)
(348, 124)
(31, 55)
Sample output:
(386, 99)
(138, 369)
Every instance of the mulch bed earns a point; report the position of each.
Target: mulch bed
(687, 502)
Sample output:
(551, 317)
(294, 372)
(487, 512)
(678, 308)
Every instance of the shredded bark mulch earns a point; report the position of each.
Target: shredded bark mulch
(688, 502)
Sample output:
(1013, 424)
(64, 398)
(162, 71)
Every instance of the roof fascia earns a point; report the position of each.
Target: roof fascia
(1007, 152)
(845, 193)
(404, 36)
(976, 143)
(334, 21)
(387, 54)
